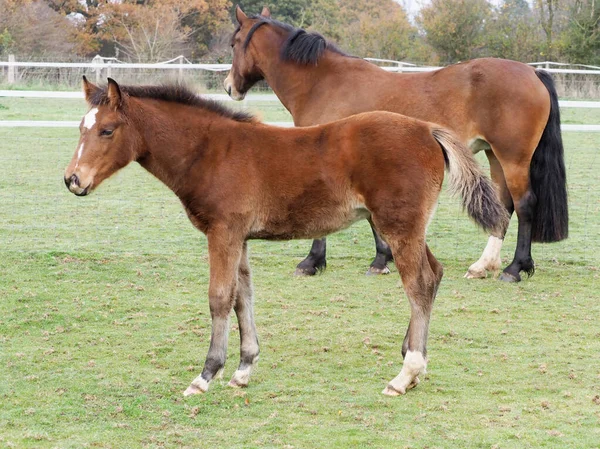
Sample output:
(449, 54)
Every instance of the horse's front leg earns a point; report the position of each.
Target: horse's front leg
(224, 256)
(245, 314)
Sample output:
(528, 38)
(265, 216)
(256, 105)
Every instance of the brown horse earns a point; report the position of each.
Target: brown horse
(239, 179)
(505, 108)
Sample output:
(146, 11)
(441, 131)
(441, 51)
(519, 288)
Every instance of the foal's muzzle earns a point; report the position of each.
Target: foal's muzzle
(73, 184)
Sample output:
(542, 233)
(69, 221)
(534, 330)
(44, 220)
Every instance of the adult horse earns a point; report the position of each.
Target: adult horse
(505, 108)
(239, 179)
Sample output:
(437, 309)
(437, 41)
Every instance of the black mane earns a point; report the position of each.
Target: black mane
(300, 46)
(175, 93)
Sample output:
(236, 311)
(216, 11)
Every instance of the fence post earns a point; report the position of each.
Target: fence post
(97, 61)
(180, 77)
(12, 70)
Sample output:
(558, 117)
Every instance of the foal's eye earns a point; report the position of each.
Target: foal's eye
(106, 132)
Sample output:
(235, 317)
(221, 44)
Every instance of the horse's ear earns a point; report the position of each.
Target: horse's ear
(239, 14)
(265, 12)
(89, 89)
(114, 94)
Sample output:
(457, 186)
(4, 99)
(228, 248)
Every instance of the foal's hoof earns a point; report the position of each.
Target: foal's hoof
(240, 379)
(475, 274)
(389, 390)
(198, 386)
(507, 277)
(374, 271)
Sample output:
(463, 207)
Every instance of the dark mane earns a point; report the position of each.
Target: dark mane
(300, 46)
(175, 93)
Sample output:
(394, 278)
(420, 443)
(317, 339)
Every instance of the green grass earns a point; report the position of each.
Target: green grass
(73, 109)
(12, 108)
(104, 321)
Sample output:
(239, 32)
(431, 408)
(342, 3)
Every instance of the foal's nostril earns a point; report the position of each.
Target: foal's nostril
(228, 90)
(74, 180)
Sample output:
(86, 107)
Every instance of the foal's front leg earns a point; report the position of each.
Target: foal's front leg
(224, 257)
(245, 314)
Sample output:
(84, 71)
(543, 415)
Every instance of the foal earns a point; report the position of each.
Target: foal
(239, 179)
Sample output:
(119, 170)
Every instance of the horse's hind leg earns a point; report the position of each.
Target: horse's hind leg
(224, 255)
(245, 314)
(421, 275)
(525, 201)
(383, 255)
(490, 258)
(315, 261)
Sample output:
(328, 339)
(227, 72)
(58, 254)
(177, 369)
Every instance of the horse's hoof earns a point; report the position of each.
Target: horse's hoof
(373, 271)
(302, 272)
(507, 277)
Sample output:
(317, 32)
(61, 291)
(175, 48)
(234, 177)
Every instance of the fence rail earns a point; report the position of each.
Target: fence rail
(395, 66)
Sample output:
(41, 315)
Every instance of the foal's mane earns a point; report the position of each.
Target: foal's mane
(300, 46)
(175, 93)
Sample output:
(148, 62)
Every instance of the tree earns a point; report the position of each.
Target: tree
(289, 11)
(455, 28)
(580, 41)
(547, 9)
(512, 32)
(32, 29)
(367, 28)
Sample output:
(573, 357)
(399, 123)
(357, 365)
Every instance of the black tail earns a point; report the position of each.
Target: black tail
(550, 221)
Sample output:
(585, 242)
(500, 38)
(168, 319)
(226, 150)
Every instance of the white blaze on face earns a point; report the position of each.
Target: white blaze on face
(79, 153)
(88, 123)
(90, 118)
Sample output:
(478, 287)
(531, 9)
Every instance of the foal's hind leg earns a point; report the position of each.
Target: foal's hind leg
(421, 275)
(245, 314)
(490, 258)
(224, 256)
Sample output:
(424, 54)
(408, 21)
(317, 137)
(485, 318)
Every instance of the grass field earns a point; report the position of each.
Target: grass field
(104, 321)
(12, 108)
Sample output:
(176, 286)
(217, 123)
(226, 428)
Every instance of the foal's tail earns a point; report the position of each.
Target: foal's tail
(479, 197)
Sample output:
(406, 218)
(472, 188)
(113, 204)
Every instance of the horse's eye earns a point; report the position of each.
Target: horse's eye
(106, 132)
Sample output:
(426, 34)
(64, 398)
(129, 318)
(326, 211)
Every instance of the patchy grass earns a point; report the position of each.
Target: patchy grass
(104, 322)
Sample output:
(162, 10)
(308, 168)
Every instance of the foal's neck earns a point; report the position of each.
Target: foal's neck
(175, 137)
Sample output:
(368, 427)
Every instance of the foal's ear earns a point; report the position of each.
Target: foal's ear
(113, 92)
(240, 15)
(265, 12)
(89, 89)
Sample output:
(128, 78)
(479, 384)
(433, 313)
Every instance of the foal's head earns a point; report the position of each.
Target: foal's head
(107, 140)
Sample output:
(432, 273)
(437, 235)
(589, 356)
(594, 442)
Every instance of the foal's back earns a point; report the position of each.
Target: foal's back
(309, 182)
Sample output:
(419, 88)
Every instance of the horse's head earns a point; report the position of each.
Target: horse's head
(106, 142)
(245, 70)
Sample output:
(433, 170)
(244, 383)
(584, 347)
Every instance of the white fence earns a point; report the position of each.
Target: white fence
(223, 97)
